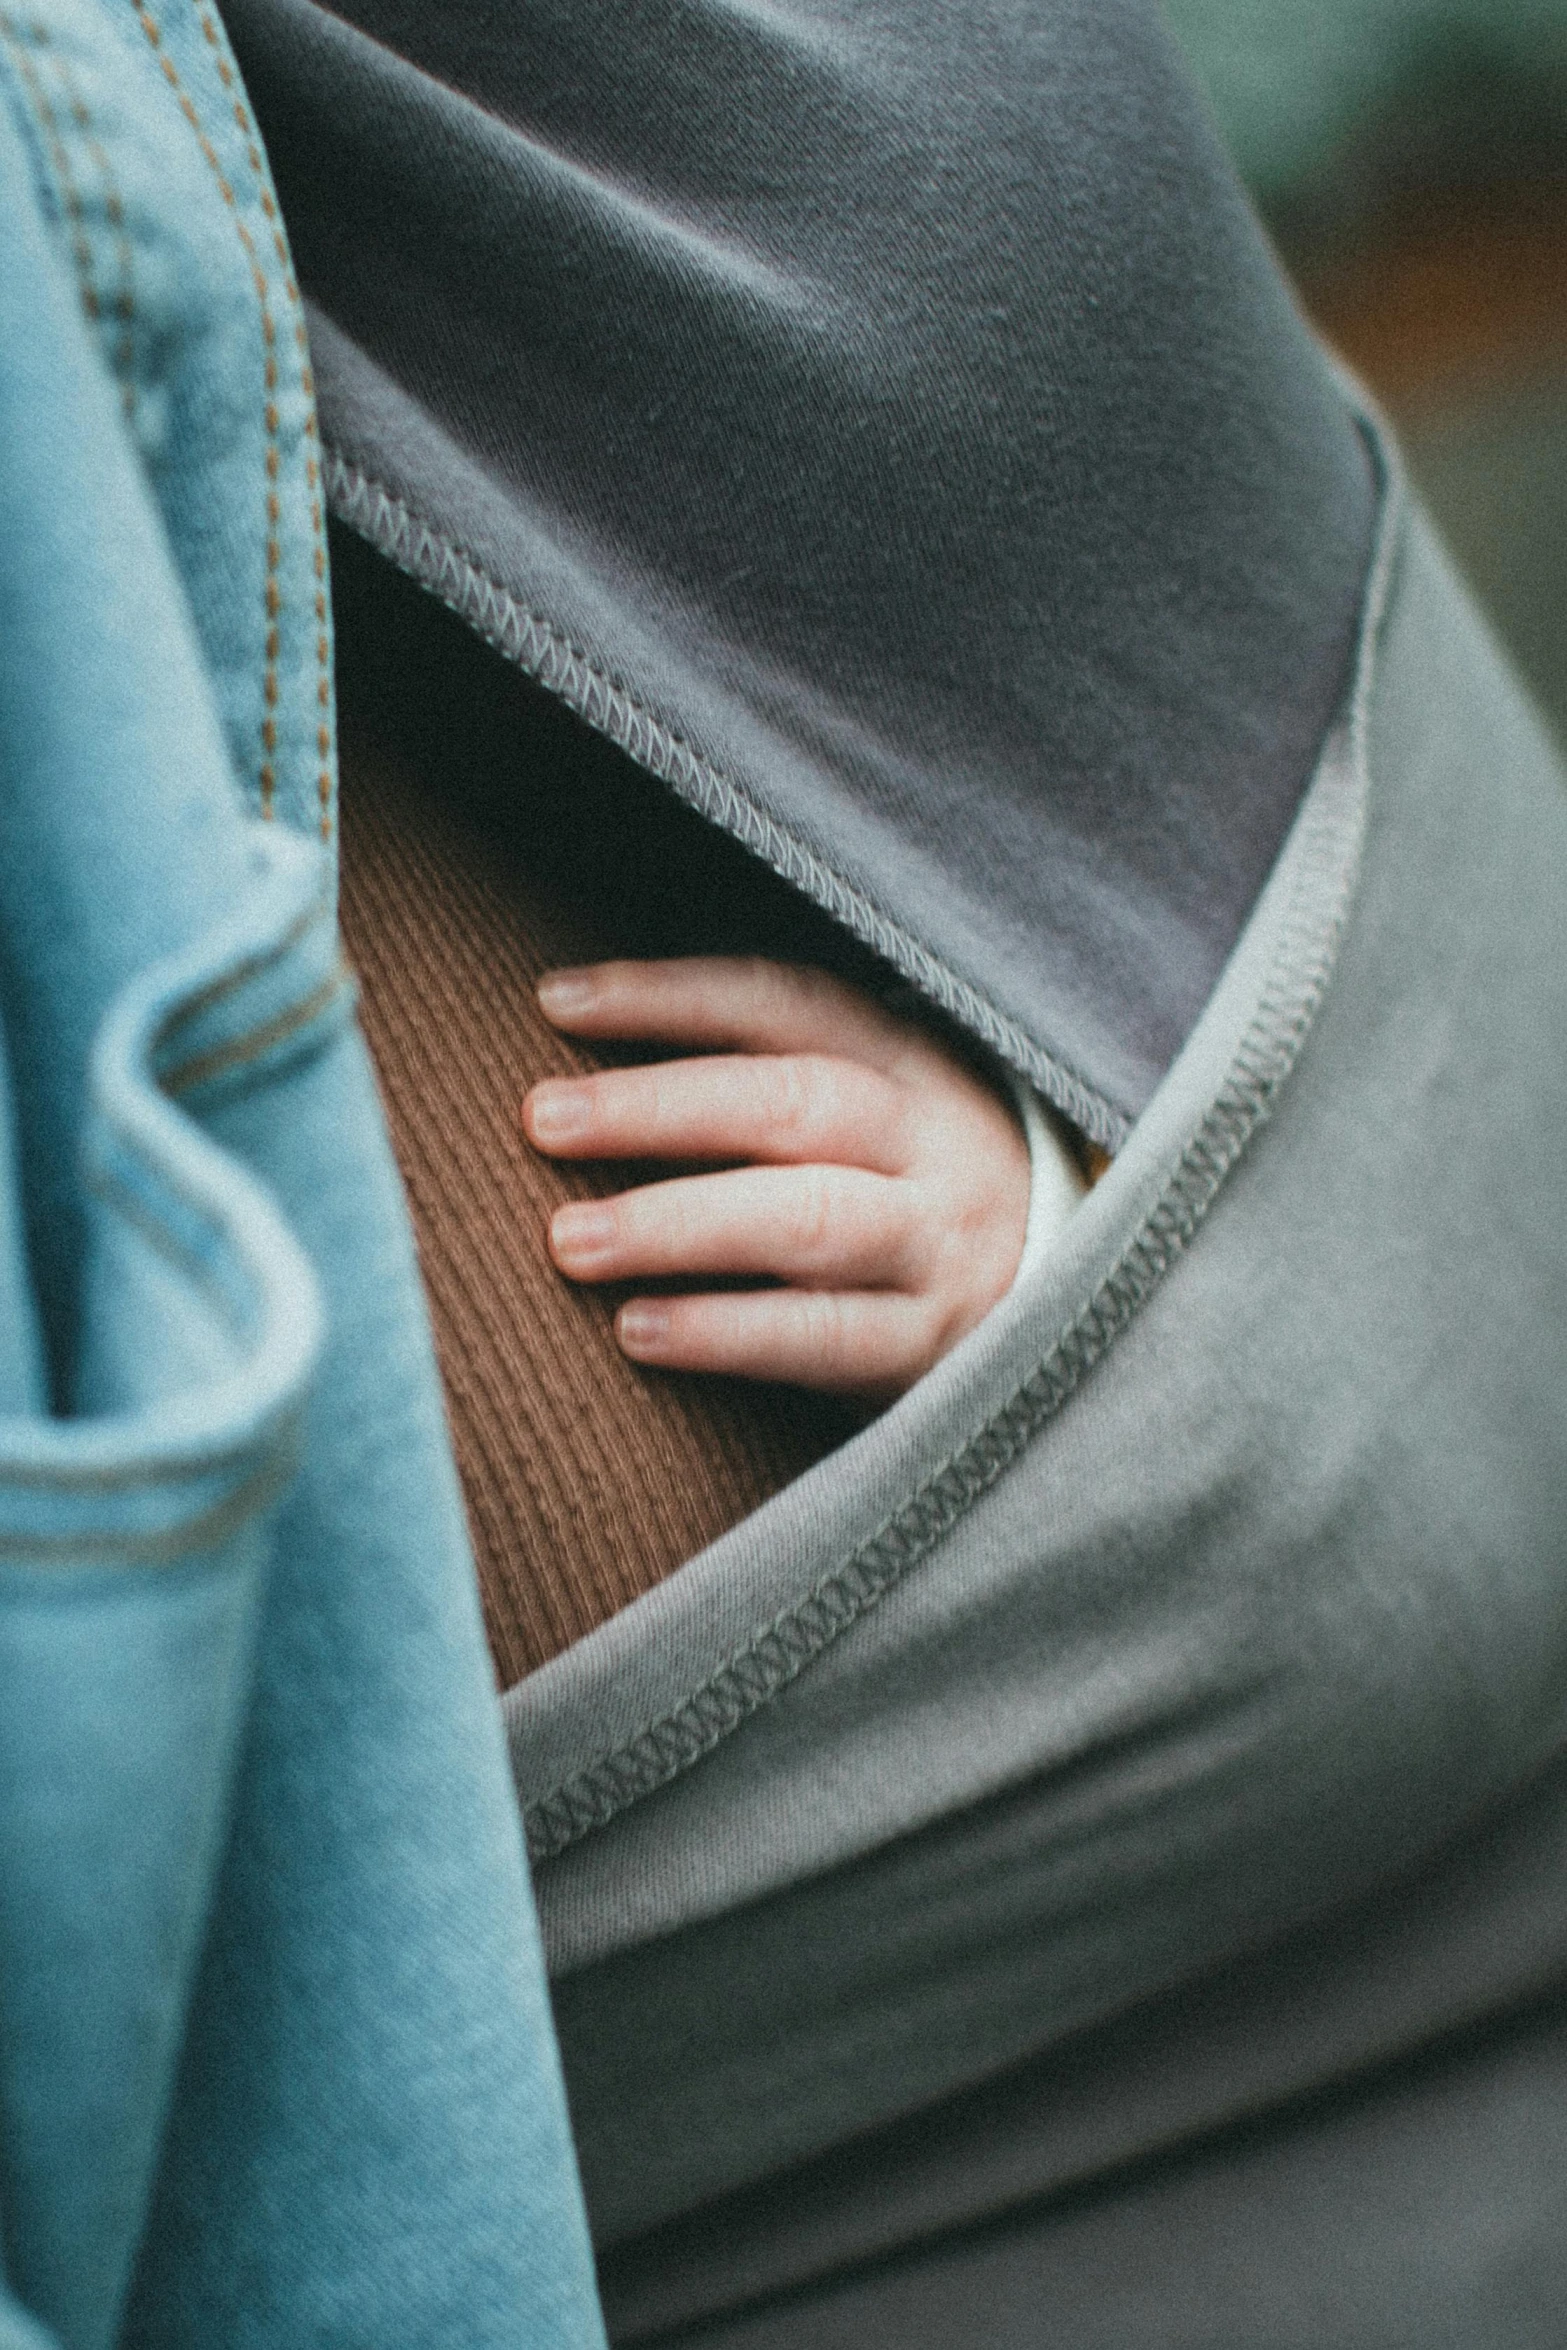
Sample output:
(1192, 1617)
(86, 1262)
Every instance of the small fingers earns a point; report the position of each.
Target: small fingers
(786, 1108)
(871, 1345)
(837, 1226)
(743, 1002)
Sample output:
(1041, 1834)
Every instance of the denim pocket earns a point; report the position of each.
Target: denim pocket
(133, 1555)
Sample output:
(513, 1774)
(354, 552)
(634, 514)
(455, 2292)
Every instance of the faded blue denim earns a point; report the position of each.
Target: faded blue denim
(275, 2057)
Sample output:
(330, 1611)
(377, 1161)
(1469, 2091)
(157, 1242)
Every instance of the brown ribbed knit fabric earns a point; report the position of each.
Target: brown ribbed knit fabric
(484, 837)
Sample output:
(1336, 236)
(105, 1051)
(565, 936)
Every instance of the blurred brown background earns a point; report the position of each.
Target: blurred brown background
(1410, 160)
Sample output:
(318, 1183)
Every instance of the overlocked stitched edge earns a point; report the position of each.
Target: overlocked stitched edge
(534, 645)
(800, 1632)
(1301, 966)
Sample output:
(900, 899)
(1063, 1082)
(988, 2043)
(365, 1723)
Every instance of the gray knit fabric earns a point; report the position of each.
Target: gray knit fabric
(1219, 1575)
(886, 424)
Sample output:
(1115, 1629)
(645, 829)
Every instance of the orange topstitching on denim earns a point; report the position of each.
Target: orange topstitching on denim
(267, 770)
(121, 308)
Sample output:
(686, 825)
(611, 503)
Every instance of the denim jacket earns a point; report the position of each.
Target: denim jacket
(275, 2059)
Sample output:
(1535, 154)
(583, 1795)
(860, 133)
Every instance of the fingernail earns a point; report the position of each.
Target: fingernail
(641, 1326)
(582, 1230)
(558, 1109)
(562, 994)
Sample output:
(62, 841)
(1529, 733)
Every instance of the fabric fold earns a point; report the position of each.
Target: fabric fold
(892, 432)
(275, 2051)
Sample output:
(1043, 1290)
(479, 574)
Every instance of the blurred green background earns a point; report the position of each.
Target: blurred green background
(1410, 160)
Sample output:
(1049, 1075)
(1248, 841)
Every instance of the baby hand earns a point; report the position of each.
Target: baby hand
(883, 1183)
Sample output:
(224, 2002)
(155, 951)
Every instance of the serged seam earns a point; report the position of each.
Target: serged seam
(1302, 964)
(533, 644)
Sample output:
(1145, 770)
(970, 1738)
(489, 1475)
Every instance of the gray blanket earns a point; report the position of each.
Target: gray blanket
(887, 425)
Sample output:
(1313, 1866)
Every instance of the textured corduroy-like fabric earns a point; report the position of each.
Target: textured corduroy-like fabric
(587, 1479)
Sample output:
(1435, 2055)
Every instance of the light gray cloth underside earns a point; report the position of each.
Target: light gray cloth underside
(1266, 1605)
(1417, 1971)
(1428, 2214)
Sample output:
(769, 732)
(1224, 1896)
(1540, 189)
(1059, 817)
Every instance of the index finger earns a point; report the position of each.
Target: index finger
(743, 1003)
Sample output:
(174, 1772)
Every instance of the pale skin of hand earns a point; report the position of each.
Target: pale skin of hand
(865, 1168)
